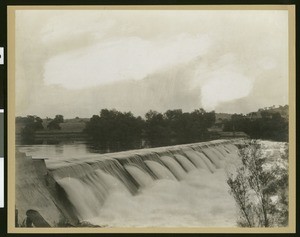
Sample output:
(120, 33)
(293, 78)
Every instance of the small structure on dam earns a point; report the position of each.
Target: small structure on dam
(65, 192)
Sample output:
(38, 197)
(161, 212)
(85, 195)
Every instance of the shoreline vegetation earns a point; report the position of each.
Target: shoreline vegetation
(113, 130)
(259, 186)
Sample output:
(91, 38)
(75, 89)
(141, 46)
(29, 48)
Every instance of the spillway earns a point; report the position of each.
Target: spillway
(80, 187)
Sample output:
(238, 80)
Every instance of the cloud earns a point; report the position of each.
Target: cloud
(77, 62)
(119, 59)
(221, 78)
(224, 85)
(267, 63)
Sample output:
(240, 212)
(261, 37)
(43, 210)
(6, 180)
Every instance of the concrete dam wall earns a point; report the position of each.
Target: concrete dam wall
(72, 190)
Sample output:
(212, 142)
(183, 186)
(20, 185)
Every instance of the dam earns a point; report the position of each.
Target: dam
(94, 190)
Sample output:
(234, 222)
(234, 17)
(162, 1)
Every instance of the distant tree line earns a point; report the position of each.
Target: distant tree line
(34, 123)
(117, 131)
(114, 130)
(270, 126)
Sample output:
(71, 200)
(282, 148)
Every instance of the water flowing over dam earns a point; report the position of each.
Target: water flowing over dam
(91, 189)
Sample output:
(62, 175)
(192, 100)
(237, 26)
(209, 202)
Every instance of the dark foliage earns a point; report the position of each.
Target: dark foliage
(174, 127)
(118, 131)
(271, 126)
(156, 128)
(32, 124)
(115, 130)
(54, 124)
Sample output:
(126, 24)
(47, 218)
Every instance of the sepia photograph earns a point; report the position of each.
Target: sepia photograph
(151, 119)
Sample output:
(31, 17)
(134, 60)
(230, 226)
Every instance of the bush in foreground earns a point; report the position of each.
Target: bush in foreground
(260, 188)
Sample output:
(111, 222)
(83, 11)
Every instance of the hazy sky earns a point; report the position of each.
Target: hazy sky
(77, 62)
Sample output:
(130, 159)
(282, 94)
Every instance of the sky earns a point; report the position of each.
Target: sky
(77, 62)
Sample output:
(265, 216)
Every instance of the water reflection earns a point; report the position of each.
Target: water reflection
(60, 150)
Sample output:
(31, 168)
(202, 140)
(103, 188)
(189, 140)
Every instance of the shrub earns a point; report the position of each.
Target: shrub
(260, 188)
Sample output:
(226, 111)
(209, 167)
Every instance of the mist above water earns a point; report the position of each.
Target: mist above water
(200, 199)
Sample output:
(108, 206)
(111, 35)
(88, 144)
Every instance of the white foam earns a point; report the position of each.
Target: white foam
(201, 199)
(160, 171)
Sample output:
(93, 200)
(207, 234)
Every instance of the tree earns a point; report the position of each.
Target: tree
(254, 188)
(59, 118)
(54, 124)
(174, 119)
(27, 135)
(188, 127)
(32, 124)
(115, 130)
(156, 129)
(271, 126)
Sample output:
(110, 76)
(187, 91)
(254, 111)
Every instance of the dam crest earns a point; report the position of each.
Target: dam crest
(71, 191)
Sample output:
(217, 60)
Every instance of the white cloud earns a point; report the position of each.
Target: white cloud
(119, 59)
(84, 49)
(267, 63)
(224, 85)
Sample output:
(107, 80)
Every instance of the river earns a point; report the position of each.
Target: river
(199, 199)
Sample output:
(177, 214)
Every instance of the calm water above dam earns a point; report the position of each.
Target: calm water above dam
(59, 151)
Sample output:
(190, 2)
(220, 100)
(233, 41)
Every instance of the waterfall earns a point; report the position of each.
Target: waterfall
(213, 157)
(89, 181)
(174, 167)
(208, 163)
(217, 153)
(196, 159)
(115, 169)
(160, 171)
(83, 198)
(143, 178)
(231, 148)
(88, 194)
(186, 164)
(222, 150)
(70, 169)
